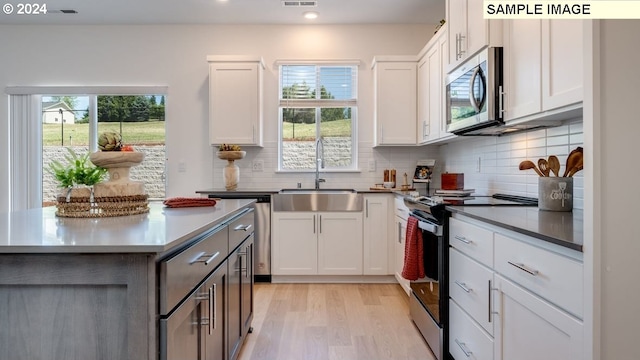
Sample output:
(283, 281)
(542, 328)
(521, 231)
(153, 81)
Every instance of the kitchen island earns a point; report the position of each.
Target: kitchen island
(91, 288)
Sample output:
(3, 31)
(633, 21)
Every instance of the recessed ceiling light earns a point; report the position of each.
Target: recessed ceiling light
(310, 15)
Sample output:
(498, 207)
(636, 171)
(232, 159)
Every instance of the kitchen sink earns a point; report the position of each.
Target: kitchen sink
(324, 191)
(317, 200)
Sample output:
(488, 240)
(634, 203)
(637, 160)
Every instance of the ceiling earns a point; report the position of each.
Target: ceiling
(119, 12)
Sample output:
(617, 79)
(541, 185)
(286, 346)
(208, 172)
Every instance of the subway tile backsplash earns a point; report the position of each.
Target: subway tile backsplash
(490, 164)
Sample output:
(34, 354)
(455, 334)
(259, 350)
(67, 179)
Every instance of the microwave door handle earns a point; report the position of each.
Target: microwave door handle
(472, 98)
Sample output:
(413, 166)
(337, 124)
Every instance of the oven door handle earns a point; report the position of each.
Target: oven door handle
(429, 227)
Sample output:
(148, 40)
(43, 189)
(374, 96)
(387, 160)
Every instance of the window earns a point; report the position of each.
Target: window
(318, 103)
(138, 118)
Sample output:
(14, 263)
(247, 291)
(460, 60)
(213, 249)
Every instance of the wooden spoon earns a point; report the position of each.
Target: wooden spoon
(572, 160)
(528, 164)
(554, 164)
(577, 167)
(543, 165)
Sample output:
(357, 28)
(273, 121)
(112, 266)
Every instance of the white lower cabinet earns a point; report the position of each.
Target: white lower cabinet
(339, 243)
(402, 213)
(522, 300)
(294, 243)
(375, 232)
(467, 340)
(533, 329)
(323, 243)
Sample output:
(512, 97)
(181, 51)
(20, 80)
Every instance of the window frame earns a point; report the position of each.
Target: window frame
(25, 115)
(318, 104)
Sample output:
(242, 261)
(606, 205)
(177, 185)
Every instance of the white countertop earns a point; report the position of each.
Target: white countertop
(40, 231)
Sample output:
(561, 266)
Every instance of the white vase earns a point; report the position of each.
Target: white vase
(231, 175)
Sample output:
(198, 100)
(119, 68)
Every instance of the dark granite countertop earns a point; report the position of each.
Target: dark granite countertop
(561, 228)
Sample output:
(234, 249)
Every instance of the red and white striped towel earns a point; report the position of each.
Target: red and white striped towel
(413, 268)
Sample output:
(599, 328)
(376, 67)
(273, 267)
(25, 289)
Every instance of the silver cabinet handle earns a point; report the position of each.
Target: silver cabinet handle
(464, 348)
(314, 224)
(366, 208)
(201, 255)
(242, 227)
(214, 296)
(212, 307)
(320, 224)
(490, 313)
(463, 286)
(399, 233)
(462, 37)
(501, 101)
(463, 239)
(205, 321)
(524, 268)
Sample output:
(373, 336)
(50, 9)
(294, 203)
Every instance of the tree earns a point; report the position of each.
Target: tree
(139, 109)
(152, 100)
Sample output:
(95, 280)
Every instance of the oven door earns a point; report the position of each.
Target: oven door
(428, 305)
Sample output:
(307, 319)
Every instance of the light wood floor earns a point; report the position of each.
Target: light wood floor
(333, 321)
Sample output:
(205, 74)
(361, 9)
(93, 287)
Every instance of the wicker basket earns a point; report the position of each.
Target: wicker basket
(83, 207)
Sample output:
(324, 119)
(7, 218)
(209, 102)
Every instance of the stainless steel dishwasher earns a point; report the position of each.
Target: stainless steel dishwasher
(262, 233)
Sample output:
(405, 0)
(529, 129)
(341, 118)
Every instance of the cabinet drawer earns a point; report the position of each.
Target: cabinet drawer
(472, 240)
(549, 275)
(400, 208)
(240, 229)
(469, 284)
(466, 338)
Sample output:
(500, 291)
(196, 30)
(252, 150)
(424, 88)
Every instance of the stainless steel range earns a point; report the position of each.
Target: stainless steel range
(429, 300)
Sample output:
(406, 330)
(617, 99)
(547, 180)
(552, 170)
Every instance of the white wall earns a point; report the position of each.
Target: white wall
(615, 213)
(175, 56)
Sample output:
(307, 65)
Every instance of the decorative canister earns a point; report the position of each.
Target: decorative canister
(555, 193)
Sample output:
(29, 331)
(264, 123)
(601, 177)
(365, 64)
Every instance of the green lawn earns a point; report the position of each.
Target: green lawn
(337, 128)
(133, 133)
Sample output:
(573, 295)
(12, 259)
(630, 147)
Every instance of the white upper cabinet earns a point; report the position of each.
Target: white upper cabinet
(235, 100)
(395, 95)
(469, 32)
(542, 67)
(431, 125)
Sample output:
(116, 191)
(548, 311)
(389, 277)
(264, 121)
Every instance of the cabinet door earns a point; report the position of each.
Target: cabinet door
(561, 63)
(246, 284)
(294, 245)
(532, 329)
(522, 68)
(401, 230)
(457, 24)
(375, 230)
(340, 243)
(423, 124)
(395, 103)
(235, 103)
(443, 43)
(234, 320)
(215, 331)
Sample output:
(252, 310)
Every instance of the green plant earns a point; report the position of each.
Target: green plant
(78, 170)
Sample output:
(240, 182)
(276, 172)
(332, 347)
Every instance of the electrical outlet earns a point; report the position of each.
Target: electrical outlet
(182, 166)
(257, 165)
(372, 165)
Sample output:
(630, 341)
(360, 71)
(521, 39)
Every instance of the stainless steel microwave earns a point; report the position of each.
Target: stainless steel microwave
(474, 94)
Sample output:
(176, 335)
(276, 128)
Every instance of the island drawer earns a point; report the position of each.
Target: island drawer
(184, 271)
(551, 276)
(240, 228)
(472, 240)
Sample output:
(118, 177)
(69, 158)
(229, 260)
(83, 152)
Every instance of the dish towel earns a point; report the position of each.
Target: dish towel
(179, 202)
(413, 268)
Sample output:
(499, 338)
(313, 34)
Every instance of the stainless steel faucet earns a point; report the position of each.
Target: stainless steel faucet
(319, 161)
